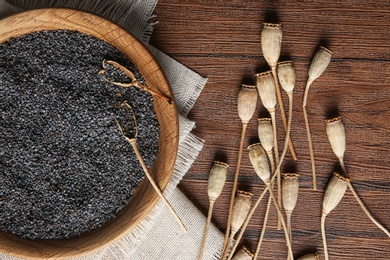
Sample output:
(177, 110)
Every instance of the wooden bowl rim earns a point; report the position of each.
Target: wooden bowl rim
(87, 23)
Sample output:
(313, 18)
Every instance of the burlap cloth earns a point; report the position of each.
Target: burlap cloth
(158, 236)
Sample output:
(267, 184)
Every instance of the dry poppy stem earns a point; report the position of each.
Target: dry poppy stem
(341, 160)
(276, 151)
(242, 204)
(313, 167)
(248, 218)
(323, 234)
(357, 197)
(336, 134)
(288, 218)
(265, 221)
(290, 97)
(156, 188)
(134, 82)
(243, 130)
(246, 104)
(271, 43)
(290, 188)
(286, 74)
(334, 193)
(252, 211)
(133, 142)
(282, 113)
(259, 161)
(318, 65)
(266, 88)
(215, 185)
(266, 137)
(276, 148)
(266, 140)
(206, 229)
(288, 242)
(271, 159)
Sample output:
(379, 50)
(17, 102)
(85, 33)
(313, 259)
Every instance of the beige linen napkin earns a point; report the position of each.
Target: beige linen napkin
(158, 236)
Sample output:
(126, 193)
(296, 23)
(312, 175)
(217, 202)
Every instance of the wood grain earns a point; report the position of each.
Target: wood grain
(221, 41)
(145, 197)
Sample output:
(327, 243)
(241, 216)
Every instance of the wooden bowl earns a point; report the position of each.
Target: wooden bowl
(145, 197)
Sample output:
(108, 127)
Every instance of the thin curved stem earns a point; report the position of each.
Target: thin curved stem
(276, 148)
(290, 106)
(308, 84)
(246, 222)
(276, 152)
(357, 197)
(288, 242)
(250, 214)
(243, 130)
(263, 228)
(341, 160)
(206, 229)
(271, 160)
(133, 141)
(156, 188)
(265, 221)
(134, 82)
(288, 216)
(324, 244)
(226, 251)
(313, 167)
(366, 210)
(282, 113)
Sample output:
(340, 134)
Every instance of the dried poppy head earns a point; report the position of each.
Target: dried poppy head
(286, 75)
(334, 192)
(259, 160)
(265, 132)
(336, 135)
(313, 256)
(246, 103)
(266, 88)
(242, 204)
(243, 254)
(319, 63)
(217, 179)
(271, 43)
(290, 187)
(216, 182)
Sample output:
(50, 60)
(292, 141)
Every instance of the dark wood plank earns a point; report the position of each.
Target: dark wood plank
(221, 41)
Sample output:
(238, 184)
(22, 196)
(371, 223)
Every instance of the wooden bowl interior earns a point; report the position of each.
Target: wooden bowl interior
(145, 197)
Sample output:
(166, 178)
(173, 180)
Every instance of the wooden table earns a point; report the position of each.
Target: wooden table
(221, 41)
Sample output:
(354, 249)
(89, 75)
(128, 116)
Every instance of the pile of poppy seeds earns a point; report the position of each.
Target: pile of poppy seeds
(65, 166)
